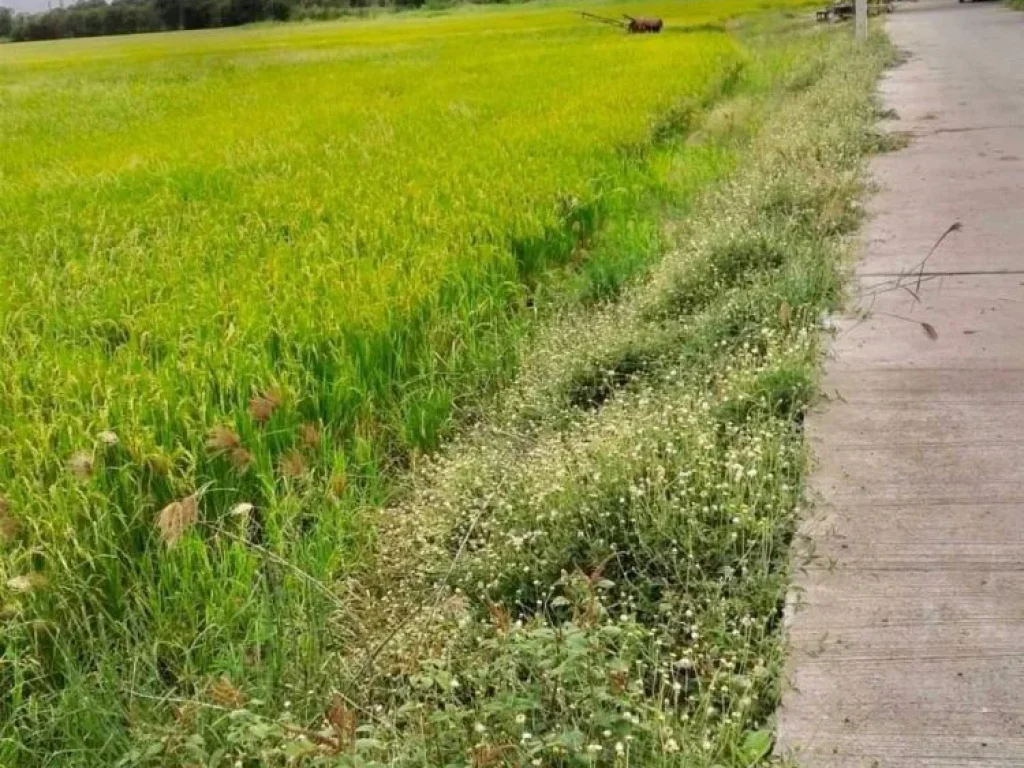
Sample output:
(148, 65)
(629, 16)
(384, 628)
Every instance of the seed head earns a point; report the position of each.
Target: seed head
(226, 695)
(292, 465)
(310, 435)
(28, 582)
(81, 465)
(241, 459)
(176, 518)
(262, 407)
(223, 439)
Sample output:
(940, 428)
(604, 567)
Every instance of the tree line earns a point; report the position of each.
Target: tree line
(92, 18)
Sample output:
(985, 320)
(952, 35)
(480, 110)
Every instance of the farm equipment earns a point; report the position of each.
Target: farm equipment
(841, 10)
(635, 26)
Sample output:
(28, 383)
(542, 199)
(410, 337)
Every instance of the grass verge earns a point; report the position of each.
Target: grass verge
(594, 573)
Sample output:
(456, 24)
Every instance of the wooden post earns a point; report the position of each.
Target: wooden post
(861, 7)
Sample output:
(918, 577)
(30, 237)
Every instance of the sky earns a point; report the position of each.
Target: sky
(31, 5)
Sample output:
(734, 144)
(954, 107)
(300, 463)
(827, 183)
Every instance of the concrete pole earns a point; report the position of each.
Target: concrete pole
(861, 7)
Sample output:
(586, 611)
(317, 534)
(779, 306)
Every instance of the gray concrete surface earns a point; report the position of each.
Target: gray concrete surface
(907, 624)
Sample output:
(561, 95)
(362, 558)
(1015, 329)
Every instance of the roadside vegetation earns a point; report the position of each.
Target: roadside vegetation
(254, 281)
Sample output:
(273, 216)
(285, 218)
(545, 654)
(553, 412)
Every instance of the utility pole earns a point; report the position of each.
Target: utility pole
(861, 8)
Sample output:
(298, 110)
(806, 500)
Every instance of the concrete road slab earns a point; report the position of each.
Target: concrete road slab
(915, 538)
(906, 620)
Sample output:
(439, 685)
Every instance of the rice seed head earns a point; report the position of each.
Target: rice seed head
(242, 511)
(176, 518)
(262, 407)
(222, 439)
(26, 583)
(310, 435)
(81, 465)
(158, 464)
(226, 695)
(108, 438)
(292, 464)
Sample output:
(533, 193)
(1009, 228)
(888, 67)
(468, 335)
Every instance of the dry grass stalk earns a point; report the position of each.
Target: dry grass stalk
(785, 313)
(500, 617)
(226, 695)
(176, 518)
(487, 755)
(185, 713)
(343, 722)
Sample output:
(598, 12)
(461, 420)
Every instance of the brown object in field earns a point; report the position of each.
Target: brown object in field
(634, 26)
(643, 25)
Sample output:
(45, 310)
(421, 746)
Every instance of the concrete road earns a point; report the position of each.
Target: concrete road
(907, 625)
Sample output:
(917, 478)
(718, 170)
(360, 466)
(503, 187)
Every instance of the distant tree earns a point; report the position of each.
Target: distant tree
(171, 13)
(128, 17)
(6, 23)
(89, 18)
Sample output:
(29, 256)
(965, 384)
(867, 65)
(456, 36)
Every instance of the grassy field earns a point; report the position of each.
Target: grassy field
(253, 276)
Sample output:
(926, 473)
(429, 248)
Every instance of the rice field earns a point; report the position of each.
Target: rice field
(252, 276)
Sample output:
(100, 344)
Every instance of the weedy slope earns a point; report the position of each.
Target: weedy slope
(251, 275)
